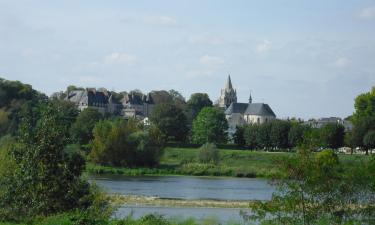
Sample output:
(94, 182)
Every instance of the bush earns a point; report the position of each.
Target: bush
(209, 153)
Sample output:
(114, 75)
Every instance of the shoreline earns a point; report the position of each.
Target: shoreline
(120, 200)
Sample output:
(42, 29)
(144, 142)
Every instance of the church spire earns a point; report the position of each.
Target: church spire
(250, 99)
(228, 85)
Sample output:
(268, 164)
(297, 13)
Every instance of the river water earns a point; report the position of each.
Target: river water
(187, 188)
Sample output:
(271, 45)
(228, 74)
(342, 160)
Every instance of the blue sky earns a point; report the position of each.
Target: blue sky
(304, 58)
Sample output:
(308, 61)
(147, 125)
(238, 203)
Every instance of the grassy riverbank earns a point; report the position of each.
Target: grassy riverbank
(233, 163)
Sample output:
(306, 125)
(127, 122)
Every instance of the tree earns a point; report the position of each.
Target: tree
(279, 134)
(197, 102)
(121, 143)
(318, 190)
(263, 136)
(210, 126)
(171, 121)
(332, 135)
(81, 130)
(296, 134)
(250, 135)
(364, 106)
(45, 179)
(360, 129)
(239, 136)
(369, 140)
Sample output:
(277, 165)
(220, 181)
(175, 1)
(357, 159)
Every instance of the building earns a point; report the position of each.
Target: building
(318, 123)
(137, 105)
(101, 100)
(228, 95)
(239, 114)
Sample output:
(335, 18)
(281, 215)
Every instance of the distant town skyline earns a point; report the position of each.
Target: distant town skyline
(306, 59)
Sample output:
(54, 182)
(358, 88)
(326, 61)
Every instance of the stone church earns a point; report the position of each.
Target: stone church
(239, 114)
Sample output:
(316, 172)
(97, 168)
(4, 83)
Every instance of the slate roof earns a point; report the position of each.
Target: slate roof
(259, 109)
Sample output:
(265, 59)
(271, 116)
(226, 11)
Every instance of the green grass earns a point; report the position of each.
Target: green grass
(233, 163)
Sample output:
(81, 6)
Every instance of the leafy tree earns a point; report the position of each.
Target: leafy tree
(4, 121)
(81, 130)
(369, 140)
(45, 179)
(250, 135)
(279, 134)
(360, 129)
(332, 135)
(364, 106)
(263, 136)
(171, 121)
(317, 189)
(197, 102)
(121, 143)
(210, 126)
(296, 134)
(209, 153)
(239, 136)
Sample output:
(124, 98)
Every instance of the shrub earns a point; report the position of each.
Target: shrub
(209, 153)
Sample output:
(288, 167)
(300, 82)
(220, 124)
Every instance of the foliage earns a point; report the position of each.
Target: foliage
(239, 136)
(316, 187)
(45, 179)
(81, 130)
(197, 102)
(209, 153)
(296, 134)
(171, 121)
(364, 106)
(121, 143)
(279, 134)
(332, 135)
(210, 126)
(369, 139)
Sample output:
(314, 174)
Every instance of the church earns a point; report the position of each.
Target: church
(239, 114)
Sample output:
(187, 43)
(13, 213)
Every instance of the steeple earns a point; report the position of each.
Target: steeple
(228, 85)
(250, 99)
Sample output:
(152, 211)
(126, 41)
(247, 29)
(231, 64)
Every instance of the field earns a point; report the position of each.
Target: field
(235, 163)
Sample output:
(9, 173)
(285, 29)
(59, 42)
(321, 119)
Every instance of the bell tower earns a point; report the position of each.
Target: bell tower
(228, 94)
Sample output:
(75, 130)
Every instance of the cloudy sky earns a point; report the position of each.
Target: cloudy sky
(304, 58)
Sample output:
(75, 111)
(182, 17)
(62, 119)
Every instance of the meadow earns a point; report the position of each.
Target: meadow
(233, 163)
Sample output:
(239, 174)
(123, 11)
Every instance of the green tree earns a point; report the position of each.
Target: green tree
(45, 179)
(332, 135)
(81, 130)
(296, 134)
(316, 189)
(279, 134)
(197, 102)
(369, 140)
(250, 135)
(121, 143)
(239, 136)
(263, 139)
(210, 126)
(364, 106)
(171, 121)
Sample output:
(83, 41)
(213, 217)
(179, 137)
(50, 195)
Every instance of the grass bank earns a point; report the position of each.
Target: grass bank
(233, 163)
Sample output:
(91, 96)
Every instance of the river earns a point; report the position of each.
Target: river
(186, 188)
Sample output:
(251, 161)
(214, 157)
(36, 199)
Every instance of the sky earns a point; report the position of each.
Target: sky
(306, 59)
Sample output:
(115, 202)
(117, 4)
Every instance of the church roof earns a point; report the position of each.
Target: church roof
(259, 109)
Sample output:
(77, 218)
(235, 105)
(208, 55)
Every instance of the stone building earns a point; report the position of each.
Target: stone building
(239, 114)
(101, 100)
(228, 95)
(137, 105)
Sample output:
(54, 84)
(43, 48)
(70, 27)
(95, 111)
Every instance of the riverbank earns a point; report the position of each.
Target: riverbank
(164, 202)
(233, 163)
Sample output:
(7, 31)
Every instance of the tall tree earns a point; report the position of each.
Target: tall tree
(279, 134)
(81, 130)
(197, 102)
(171, 121)
(210, 126)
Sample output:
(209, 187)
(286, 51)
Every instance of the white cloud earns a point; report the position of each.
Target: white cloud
(205, 39)
(120, 58)
(160, 20)
(342, 62)
(367, 13)
(263, 46)
(200, 73)
(90, 80)
(211, 61)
